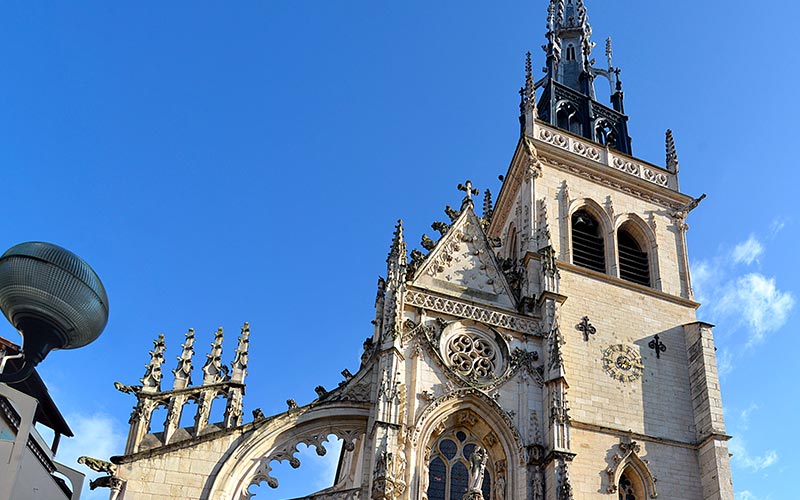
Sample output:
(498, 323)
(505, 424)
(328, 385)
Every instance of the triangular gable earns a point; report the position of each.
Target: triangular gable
(463, 265)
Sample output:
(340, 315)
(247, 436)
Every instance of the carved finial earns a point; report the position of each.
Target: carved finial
(151, 382)
(321, 391)
(470, 192)
(239, 363)
(672, 153)
(610, 54)
(214, 371)
(183, 372)
(291, 403)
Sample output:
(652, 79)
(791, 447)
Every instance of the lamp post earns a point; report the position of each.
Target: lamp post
(53, 298)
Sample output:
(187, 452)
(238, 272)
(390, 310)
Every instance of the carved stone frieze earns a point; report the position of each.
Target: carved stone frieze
(471, 311)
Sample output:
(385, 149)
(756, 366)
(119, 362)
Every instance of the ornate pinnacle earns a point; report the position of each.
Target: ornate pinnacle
(398, 248)
(487, 205)
(609, 54)
(214, 371)
(530, 87)
(183, 372)
(470, 192)
(239, 363)
(151, 382)
(672, 153)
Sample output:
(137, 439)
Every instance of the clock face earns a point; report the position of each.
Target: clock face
(622, 362)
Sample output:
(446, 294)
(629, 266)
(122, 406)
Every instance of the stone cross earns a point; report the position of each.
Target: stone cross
(467, 188)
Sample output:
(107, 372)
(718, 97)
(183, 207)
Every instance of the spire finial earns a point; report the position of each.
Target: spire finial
(183, 372)
(672, 153)
(214, 371)
(398, 248)
(239, 363)
(151, 382)
(530, 87)
(610, 54)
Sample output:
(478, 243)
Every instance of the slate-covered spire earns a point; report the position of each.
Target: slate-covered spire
(569, 99)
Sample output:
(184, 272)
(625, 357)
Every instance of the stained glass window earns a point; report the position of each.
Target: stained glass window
(449, 468)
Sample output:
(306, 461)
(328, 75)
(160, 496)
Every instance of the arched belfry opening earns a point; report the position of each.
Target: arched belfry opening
(634, 258)
(588, 244)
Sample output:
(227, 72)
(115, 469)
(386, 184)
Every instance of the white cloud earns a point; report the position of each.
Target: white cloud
(724, 362)
(777, 225)
(744, 416)
(745, 495)
(748, 251)
(96, 435)
(757, 303)
(744, 460)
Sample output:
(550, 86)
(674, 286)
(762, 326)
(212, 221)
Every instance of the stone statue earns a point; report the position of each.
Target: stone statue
(477, 463)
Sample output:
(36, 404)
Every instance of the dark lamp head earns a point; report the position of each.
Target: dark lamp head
(53, 298)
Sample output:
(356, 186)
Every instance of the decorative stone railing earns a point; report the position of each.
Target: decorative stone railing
(605, 156)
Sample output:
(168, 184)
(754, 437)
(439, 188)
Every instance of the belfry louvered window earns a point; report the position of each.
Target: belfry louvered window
(588, 249)
(633, 262)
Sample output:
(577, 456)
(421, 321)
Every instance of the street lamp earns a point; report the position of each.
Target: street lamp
(53, 298)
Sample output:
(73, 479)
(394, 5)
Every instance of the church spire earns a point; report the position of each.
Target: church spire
(569, 99)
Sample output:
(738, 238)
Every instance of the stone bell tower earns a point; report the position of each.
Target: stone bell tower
(544, 349)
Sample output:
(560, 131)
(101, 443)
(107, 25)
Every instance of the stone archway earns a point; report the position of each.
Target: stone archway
(277, 439)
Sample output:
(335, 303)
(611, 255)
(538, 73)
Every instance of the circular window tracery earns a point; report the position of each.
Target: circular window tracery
(471, 356)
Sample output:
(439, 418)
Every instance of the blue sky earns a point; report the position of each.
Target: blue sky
(221, 163)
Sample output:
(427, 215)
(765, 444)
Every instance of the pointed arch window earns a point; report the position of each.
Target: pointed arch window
(448, 470)
(630, 487)
(588, 247)
(567, 118)
(606, 134)
(634, 263)
(570, 52)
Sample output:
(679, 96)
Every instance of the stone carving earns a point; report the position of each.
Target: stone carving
(628, 455)
(127, 389)
(486, 218)
(291, 404)
(97, 465)
(471, 356)
(441, 227)
(469, 193)
(564, 487)
(477, 463)
(467, 418)
(471, 311)
(427, 243)
(500, 482)
(452, 213)
(258, 414)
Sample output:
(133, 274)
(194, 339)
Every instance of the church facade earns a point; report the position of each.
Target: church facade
(544, 349)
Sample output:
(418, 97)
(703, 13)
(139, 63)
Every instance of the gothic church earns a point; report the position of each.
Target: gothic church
(544, 349)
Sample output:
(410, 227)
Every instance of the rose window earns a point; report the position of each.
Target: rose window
(471, 356)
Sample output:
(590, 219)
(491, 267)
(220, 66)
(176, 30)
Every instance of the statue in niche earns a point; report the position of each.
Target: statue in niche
(477, 466)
